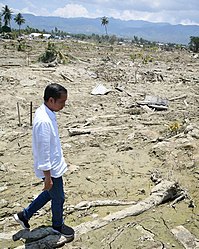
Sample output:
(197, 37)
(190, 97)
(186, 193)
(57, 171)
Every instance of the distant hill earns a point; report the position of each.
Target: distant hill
(159, 32)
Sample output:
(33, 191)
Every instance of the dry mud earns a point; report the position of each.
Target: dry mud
(122, 146)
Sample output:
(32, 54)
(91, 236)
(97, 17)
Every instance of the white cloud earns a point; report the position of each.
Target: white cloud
(174, 12)
(1, 5)
(24, 10)
(71, 10)
(138, 15)
(173, 17)
(144, 5)
(188, 22)
(29, 4)
(27, 10)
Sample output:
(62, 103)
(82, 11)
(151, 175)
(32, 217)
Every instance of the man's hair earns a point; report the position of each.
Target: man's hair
(54, 90)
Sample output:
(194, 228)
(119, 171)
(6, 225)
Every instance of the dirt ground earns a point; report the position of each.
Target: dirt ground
(119, 144)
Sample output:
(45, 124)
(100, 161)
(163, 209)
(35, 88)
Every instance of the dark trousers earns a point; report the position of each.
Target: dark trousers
(56, 196)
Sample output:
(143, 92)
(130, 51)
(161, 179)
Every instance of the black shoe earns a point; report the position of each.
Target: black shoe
(66, 230)
(19, 217)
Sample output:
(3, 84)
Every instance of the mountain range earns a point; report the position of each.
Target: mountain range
(159, 32)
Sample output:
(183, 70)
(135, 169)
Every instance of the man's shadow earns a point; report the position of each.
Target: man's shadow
(42, 236)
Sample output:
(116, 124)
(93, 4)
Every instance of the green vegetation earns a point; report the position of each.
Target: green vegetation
(23, 46)
(104, 22)
(174, 127)
(142, 56)
(194, 44)
(6, 29)
(19, 20)
(7, 17)
(52, 53)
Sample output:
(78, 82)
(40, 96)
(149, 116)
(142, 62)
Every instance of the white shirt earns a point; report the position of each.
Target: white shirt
(47, 152)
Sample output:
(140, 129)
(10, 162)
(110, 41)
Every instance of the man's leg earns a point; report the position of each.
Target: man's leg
(37, 204)
(57, 201)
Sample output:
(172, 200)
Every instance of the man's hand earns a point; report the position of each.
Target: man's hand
(48, 183)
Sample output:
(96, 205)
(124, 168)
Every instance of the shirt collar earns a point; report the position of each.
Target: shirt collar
(50, 113)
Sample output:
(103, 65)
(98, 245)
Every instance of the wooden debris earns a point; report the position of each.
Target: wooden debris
(178, 97)
(154, 102)
(188, 240)
(78, 131)
(11, 65)
(44, 69)
(88, 204)
(19, 116)
(65, 77)
(120, 89)
(83, 131)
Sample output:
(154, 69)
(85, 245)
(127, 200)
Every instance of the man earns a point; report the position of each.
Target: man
(49, 163)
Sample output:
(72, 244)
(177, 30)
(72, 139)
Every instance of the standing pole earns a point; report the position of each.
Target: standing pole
(19, 118)
(31, 113)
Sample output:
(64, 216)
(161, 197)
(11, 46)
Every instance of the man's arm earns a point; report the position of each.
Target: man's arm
(41, 134)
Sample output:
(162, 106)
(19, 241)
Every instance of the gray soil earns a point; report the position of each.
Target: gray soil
(121, 146)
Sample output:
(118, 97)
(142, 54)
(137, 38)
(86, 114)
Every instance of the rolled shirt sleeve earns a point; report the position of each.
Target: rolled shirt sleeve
(42, 142)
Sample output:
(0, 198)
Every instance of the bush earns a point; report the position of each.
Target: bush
(50, 54)
(194, 44)
(6, 29)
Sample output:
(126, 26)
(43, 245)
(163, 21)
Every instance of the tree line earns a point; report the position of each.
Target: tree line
(5, 27)
(7, 16)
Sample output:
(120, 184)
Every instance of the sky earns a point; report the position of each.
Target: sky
(171, 11)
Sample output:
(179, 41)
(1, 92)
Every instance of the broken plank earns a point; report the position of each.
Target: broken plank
(82, 131)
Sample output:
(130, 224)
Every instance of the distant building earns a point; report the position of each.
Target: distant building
(39, 35)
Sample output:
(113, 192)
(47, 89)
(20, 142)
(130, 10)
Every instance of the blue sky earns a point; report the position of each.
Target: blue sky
(171, 11)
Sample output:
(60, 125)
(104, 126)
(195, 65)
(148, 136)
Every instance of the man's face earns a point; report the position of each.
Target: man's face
(58, 104)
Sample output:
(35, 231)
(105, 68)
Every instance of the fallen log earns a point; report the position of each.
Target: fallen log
(162, 192)
(188, 240)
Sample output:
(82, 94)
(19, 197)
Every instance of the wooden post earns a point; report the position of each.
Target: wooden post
(28, 58)
(31, 113)
(19, 118)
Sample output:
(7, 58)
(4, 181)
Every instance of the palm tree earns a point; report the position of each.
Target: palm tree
(19, 20)
(7, 15)
(104, 22)
(0, 23)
